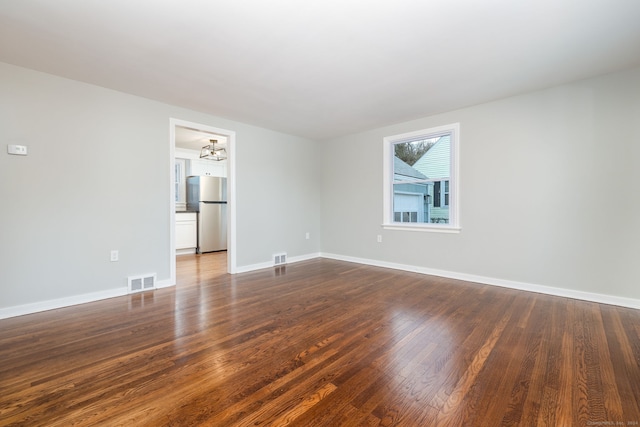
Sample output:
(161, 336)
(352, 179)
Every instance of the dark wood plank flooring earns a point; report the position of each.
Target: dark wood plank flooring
(322, 343)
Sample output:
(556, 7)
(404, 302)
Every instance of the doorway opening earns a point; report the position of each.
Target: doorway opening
(186, 142)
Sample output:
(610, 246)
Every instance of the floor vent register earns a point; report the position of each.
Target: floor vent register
(141, 283)
(280, 259)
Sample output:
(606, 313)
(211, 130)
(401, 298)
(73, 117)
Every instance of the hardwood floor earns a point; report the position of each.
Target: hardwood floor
(322, 343)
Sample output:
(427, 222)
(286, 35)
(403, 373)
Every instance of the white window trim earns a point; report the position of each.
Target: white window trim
(454, 181)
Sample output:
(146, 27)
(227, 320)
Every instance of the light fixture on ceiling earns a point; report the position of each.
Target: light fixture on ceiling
(213, 151)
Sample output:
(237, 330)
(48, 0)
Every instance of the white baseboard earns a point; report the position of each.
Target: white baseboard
(20, 310)
(188, 251)
(35, 307)
(548, 290)
(263, 265)
(111, 293)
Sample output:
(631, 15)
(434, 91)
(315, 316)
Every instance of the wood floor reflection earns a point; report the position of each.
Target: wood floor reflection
(321, 343)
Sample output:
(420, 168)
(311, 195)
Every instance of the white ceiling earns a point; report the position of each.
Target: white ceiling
(322, 68)
(192, 139)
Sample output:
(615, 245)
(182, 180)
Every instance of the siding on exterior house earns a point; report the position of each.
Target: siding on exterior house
(438, 214)
(435, 164)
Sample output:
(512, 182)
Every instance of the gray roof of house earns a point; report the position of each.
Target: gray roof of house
(402, 168)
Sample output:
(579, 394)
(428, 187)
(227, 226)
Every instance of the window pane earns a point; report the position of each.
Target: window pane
(446, 193)
(425, 202)
(436, 194)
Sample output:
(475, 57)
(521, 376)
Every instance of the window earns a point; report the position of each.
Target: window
(421, 180)
(180, 186)
(436, 194)
(405, 216)
(441, 194)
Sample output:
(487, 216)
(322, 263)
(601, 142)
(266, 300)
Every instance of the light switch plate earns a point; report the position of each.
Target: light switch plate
(19, 150)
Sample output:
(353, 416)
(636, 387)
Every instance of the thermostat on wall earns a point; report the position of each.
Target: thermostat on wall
(20, 150)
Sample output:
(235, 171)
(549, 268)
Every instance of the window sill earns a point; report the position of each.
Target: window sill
(427, 228)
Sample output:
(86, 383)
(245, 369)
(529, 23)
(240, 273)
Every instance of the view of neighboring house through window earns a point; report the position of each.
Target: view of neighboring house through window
(420, 178)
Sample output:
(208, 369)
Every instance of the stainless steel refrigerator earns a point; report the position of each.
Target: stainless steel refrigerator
(207, 195)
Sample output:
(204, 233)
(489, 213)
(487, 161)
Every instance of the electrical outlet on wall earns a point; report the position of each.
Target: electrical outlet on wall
(115, 255)
(307, 235)
(18, 150)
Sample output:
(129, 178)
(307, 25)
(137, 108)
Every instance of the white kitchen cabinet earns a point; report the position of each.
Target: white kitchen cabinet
(207, 168)
(186, 231)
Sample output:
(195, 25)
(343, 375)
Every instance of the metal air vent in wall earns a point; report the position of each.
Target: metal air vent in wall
(280, 259)
(141, 283)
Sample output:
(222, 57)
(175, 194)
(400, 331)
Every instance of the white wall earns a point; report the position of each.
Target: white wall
(549, 191)
(278, 190)
(97, 178)
(548, 183)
